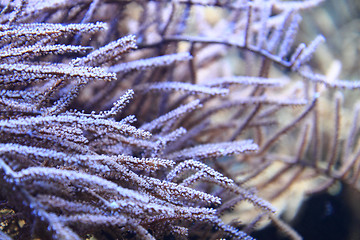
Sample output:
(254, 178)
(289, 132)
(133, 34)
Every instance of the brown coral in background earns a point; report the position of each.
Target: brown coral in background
(164, 119)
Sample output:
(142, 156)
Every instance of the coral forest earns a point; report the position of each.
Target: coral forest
(181, 119)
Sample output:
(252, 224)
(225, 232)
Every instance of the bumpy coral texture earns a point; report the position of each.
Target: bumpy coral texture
(161, 119)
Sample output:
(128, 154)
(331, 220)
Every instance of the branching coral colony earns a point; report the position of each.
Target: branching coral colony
(152, 120)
